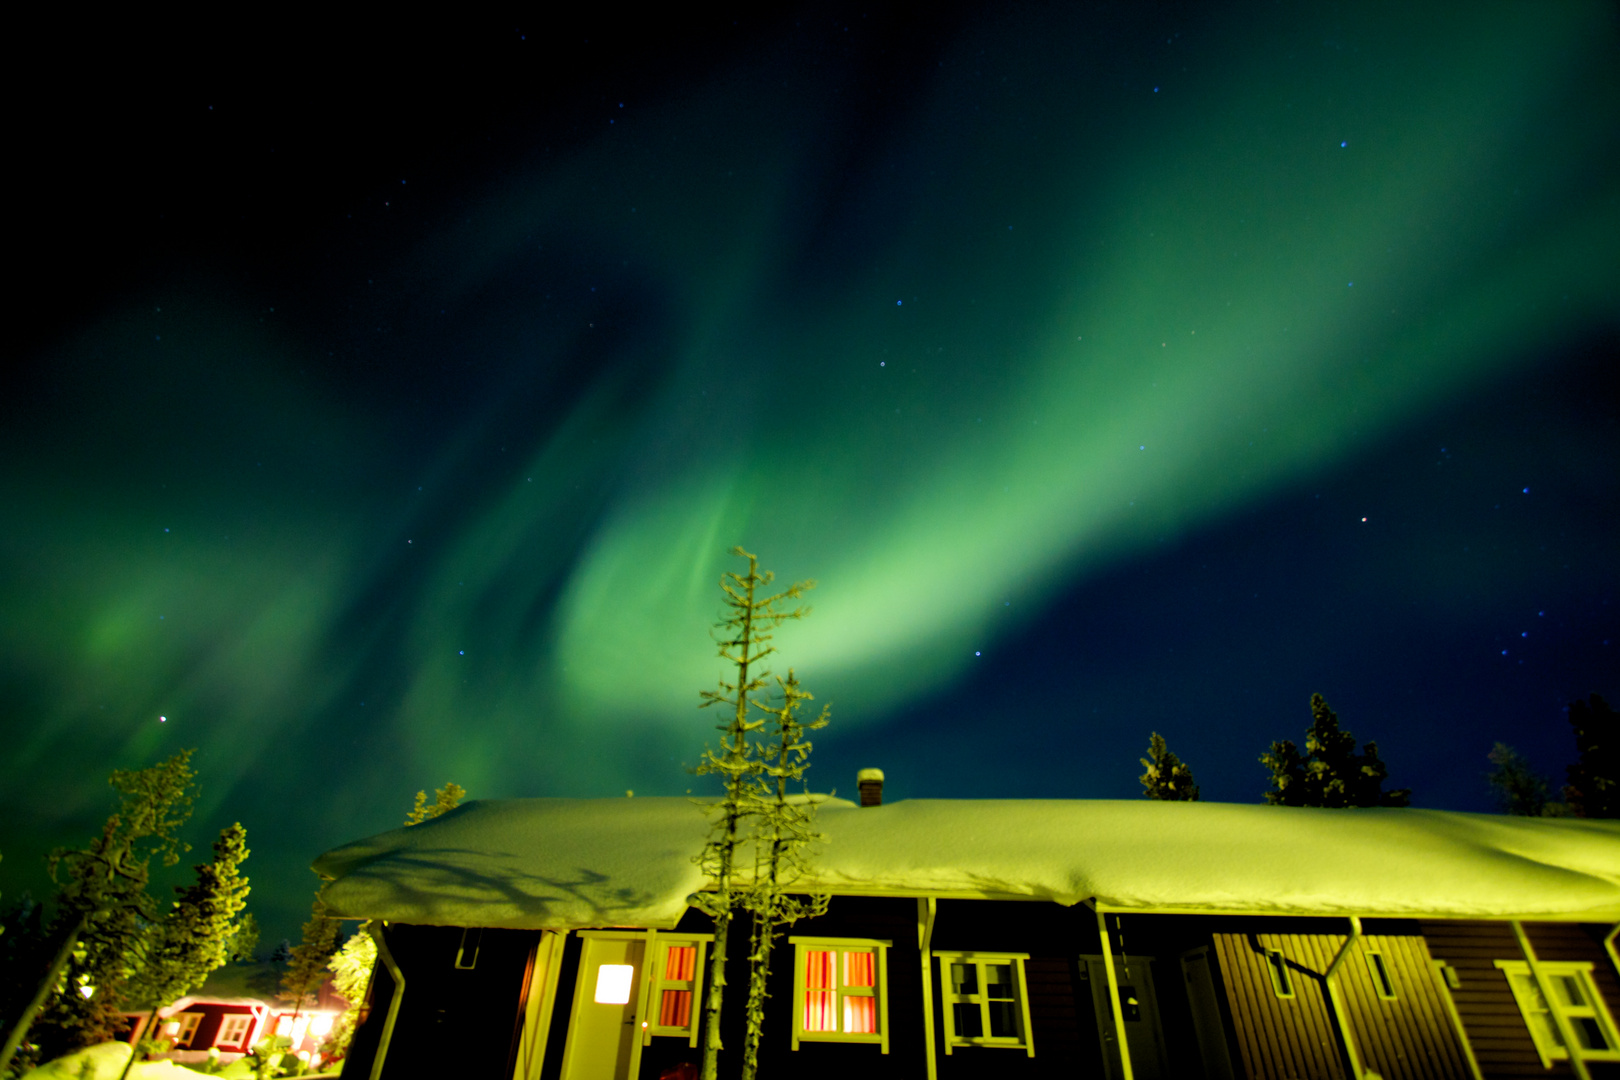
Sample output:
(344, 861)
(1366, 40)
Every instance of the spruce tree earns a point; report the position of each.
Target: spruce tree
(783, 831)
(1593, 790)
(1518, 788)
(1330, 773)
(101, 904)
(743, 635)
(244, 939)
(1167, 777)
(194, 936)
(351, 968)
(306, 964)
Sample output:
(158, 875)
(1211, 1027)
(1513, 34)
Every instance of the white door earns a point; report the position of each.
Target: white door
(603, 1037)
(1141, 1008)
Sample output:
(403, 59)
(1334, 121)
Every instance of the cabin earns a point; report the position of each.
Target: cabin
(555, 939)
(232, 1011)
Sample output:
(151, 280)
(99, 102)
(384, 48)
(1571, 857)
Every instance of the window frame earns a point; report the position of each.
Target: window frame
(1527, 996)
(1025, 1040)
(802, 946)
(1282, 982)
(241, 1039)
(189, 1023)
(1381, 974)
(656, 984)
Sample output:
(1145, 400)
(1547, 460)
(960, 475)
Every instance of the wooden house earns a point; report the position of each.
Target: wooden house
(232, 1011)
(553, 939)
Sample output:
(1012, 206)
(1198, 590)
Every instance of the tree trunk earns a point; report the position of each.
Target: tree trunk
(134, 1042)
(19, 1030)
(710, 1069)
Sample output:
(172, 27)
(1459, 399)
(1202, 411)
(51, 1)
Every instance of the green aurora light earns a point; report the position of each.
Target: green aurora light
(1075, 317)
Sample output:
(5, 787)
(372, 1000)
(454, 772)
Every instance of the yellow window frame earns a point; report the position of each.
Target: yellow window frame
(1024, 1041)
(879, 949)
(1383, 978)
(1538, 1013)
(658, 981)
(189, 1023)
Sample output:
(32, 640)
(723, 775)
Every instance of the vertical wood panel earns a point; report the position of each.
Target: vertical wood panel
(1409, 1037)
(1235, 977)
(1279, 1038)
(1315, 1015)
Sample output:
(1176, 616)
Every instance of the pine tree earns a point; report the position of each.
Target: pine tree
(351, 968)
(742, 642)
(102, 902)
(306, 963)
(244, 939)
(193, 938)
(446, 798)
(1518, 788)
(1593, 790)
(1330, 773)
(783, 832)
(1167, 778)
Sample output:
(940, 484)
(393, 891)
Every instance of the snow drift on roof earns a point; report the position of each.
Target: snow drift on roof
(566, 863)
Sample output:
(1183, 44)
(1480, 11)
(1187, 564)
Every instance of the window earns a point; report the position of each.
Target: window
(613, 984)
(839, 990)
(674, 984)
(233, 1030)
(188, 1022)
(984, 1000)
(1281, 983)
(1378, 967)
(1575, 998)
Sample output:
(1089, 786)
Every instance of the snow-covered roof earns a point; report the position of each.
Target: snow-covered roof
(567, 863)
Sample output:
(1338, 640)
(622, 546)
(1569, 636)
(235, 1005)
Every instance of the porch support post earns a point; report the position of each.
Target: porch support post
(927, 909)
(1113, 994)
(376, 927)
(1565, 1031)
(538, 1009)
(1341, 1015)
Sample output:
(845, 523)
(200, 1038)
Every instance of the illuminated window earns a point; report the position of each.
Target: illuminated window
(1575, 998)
(1378, 967)
(984, 1000)
(675, 1006)
(839, 990)
(1281, 982)
(233, 1030)
(613, 984)
(187, 1022)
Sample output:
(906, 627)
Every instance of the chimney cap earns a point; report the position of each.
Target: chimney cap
(866, 775)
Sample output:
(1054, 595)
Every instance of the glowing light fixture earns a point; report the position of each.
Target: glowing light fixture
(320, 1024)
(613, 984)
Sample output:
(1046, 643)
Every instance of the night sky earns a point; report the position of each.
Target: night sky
(383, 400)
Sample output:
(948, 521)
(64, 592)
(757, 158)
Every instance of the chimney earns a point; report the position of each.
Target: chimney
(870, 781)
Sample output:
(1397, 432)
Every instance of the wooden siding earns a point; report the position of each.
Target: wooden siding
(1278, 1038)
(1407, 1037)
(1411, 1035)
(1496, 1030)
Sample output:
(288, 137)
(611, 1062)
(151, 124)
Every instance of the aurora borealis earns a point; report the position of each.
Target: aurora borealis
(1112, 370)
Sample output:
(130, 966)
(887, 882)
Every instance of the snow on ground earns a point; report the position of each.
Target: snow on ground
(106, 1062)
(568, 863)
